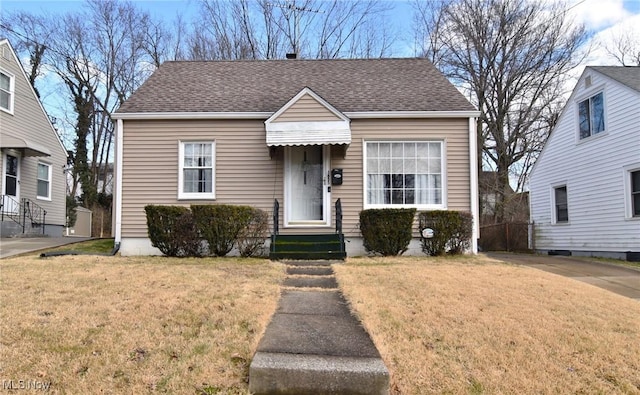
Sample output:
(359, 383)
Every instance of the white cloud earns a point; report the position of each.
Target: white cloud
(628, 28)
(598, 14)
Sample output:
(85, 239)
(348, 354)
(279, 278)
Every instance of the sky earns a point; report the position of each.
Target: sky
(601, 17)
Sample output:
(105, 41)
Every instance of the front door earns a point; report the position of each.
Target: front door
(306, 185)
(11, 193)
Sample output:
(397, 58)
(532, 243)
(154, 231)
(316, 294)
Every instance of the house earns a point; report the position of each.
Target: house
(312, 142)
(33, 157)
(585, 186)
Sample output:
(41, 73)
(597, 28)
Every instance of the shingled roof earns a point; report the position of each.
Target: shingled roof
(353, 85)
(628, 75)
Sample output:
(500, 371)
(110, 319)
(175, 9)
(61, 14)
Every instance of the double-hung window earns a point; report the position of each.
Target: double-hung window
(197, 170)
(591, 116)
(561, 204)
(406, 173)
(44, 181)
(6, 92)
(635, 193)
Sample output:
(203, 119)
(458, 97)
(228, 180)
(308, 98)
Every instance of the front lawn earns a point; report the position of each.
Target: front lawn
(89, 324)
(472, 325)
(95, 324)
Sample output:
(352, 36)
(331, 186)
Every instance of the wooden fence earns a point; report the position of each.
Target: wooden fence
(508, 236)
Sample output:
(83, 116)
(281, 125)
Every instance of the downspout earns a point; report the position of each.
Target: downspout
(118, 183)
(473, 169)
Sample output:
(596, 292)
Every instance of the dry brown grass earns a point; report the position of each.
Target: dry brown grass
(472, 325)
(134, 325)
(467, 325)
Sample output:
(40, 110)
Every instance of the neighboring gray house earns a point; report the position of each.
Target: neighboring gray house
(324, 138)
(585, 186)
(33, 191)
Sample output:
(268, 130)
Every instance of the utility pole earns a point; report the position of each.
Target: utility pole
(292, 8)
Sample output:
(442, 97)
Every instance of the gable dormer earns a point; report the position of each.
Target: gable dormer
(307, 119)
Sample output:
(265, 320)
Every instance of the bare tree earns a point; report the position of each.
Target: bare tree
(353, 28)
(27, 25)
(272, 42)
(511, 57)
(429, 26)
(624, 46)
(374, 40)
(263, 29)
(70, 57)
(101, 53)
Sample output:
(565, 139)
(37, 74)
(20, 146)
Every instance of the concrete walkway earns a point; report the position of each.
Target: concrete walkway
(619, 279)
(313, 345)
(12, 246)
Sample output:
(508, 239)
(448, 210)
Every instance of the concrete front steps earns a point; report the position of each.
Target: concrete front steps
(318, 246)
(313, 345)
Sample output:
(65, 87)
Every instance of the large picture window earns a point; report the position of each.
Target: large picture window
(591, 116)
(404, 173)
(6, 92)
(44, 181)
(197, 170)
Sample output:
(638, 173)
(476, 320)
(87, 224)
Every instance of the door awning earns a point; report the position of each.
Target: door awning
(307, 119)
(308, 133)
(28, 148)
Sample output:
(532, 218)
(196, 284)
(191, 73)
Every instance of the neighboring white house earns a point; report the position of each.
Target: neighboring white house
(585, 186)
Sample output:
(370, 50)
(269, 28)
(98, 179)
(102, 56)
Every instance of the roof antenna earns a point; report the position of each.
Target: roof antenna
(295, 10)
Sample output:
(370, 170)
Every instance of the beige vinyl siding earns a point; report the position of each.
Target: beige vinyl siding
(307, 109)
(454, 132)
(246, 174)
(29, 121)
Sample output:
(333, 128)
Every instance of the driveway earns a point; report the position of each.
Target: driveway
(22, 245)
(616, 278)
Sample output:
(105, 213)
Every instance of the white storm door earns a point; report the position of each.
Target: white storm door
(11, 185)
(306, 185)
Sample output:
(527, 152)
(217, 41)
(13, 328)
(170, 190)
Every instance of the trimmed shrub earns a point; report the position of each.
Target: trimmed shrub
(220, 225)
(172, 230)
(387, 231)
(452, 231)
(251, 238)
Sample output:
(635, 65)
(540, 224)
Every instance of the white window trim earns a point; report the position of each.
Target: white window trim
(554, 213)
(49, 180)
(12, 92)
(442, 206)
(197, 195)
(587, 96)
(628, 204)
